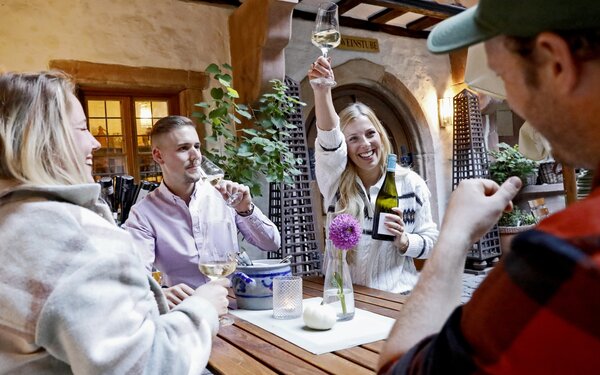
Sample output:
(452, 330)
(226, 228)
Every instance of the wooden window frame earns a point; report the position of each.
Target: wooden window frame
(129, 128)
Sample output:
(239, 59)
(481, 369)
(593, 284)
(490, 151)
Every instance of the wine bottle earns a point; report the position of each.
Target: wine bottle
(386, 200)
(107, 192)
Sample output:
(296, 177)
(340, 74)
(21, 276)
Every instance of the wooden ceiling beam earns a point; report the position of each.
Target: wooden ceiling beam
(366, 25)
(422, 23)
(424, 7)
(386, 15)
(346, 5)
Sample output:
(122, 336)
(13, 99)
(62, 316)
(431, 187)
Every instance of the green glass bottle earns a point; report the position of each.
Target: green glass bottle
(386, 200)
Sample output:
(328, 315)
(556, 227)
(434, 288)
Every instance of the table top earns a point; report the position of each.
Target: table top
(244, 348)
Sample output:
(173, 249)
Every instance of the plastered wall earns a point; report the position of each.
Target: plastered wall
(160, 33)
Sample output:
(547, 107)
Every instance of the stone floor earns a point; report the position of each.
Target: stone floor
(470, 283)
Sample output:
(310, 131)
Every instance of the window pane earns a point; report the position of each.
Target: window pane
(143, 109)
(149, 170)
(115, 126)
(103, 142)
(143, 144)
(115, 144)
(97, 126)
(96, 108)
(113, 108)
(116, 165)
(143, 126)
(159, 110)
(100, 165)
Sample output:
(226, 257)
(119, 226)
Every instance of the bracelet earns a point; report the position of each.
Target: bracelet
(248, 212)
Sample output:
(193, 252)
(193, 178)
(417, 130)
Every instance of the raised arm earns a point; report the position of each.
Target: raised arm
(473, 208)
(325, 113)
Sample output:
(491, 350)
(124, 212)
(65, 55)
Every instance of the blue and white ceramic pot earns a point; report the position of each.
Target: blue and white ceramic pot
(253, 285)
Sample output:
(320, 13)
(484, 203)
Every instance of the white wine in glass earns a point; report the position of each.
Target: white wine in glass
(214, 175)
(217, 254)
(326, 35)
(215, 270)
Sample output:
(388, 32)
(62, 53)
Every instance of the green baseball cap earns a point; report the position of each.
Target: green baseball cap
(521, 18)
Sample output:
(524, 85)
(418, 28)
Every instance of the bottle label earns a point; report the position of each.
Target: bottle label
(381, 228)
(391, 162)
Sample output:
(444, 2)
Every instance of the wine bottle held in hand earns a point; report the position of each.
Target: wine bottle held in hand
(386, 200)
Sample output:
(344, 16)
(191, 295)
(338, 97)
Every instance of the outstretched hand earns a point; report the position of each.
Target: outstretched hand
(476, 205)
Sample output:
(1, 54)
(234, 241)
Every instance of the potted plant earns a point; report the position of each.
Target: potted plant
(513, 223)
(508, 161)
(260, 150)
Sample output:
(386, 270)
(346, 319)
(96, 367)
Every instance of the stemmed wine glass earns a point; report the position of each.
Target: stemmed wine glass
(213, 174)
(217, 254)
(326, 35)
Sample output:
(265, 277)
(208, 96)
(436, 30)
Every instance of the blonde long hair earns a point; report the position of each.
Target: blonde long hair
(350, 200)
(36, 142)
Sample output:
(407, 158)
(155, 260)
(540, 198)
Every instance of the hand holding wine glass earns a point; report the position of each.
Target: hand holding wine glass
(326, 35)
(217, 254)
(213, 174)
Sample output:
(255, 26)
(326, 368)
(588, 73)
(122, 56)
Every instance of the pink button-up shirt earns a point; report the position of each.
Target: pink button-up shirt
(169, 233)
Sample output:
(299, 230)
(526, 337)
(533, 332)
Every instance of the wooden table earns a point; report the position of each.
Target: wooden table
(244, 348)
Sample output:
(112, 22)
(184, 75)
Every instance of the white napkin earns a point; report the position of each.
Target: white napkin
(343, 335)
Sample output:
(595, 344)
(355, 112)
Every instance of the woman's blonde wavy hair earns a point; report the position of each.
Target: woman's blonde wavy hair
(350, 200)
(36, 142)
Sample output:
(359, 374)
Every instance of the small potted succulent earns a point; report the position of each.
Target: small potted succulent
(508, 161)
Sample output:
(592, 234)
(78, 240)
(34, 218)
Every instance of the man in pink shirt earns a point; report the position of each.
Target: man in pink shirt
(167, 224)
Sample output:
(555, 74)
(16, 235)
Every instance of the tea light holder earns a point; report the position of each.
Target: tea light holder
(287, 297)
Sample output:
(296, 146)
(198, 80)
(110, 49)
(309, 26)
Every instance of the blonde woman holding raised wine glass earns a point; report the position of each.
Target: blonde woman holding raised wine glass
(350, 154)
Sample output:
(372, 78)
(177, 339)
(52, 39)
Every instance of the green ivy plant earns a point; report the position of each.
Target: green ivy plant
(516, 218)
(258, 150)
(508, 161)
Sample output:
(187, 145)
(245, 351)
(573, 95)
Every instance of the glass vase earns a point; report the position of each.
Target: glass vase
(337, 288)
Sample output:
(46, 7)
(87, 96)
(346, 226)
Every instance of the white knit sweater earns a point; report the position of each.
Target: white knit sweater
(379, 264)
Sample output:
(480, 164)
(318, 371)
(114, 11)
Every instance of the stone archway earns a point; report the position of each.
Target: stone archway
(406, 122)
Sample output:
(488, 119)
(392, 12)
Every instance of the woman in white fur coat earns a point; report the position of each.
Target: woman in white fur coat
(74, 297)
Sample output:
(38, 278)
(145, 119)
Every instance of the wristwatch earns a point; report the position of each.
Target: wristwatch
(248, 212)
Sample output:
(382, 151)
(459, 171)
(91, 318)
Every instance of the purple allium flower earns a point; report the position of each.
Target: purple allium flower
(345, 231)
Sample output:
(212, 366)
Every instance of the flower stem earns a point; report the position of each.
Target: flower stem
(339, 279)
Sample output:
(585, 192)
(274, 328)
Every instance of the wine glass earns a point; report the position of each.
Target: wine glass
(213, 174)
(217, 254)
(326, 35)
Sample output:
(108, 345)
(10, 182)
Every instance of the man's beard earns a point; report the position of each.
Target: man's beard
(192, 178)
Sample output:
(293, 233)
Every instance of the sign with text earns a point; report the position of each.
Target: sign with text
(355, 43)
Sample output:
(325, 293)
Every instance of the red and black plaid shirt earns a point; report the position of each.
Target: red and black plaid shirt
(538, 312)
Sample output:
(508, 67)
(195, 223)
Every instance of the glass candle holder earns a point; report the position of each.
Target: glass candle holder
(287, 297)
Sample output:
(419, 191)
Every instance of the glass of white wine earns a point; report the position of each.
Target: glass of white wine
(326, 35)
(217, 254)
(214, 175)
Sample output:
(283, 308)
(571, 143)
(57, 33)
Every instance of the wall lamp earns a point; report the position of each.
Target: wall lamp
(446, 111)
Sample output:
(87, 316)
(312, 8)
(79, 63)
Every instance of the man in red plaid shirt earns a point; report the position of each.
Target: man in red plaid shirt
(538, 312)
